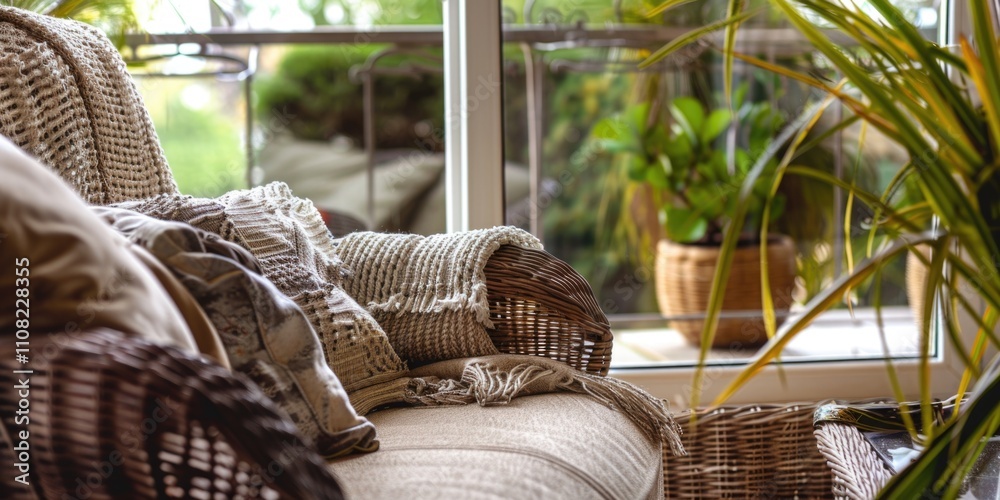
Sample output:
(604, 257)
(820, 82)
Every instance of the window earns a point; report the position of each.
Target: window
(589, 210)
(566, 67)
(342, 100)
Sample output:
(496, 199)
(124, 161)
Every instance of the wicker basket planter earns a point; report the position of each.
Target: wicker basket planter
(684, 281)
(754, 451)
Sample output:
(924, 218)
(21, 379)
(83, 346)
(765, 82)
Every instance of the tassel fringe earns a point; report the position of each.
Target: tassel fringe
(492, 387)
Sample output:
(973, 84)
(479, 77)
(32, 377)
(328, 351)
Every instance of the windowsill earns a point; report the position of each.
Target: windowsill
(835, 335)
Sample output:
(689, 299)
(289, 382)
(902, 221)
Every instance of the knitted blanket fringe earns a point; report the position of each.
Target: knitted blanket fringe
(428, 293)
(496, 380)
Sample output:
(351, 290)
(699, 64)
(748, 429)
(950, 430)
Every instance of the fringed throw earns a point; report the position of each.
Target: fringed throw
(428, 292)
(287, 236)
(495, 380)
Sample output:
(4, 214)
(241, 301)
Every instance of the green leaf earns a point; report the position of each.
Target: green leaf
(690, 115)
(684, 225)
(655, 140)
(740, 94)
(668, 166)
(681, 153)
(665, 6)
(711, 199)
(614, 146)
(706, 171)
(718, 160)
(612, 127)
(656, 176)
(732, 9)
(717, 123)
(743, 162)
(692, 36)
(777, 207)
(636, 169)
(637, 119)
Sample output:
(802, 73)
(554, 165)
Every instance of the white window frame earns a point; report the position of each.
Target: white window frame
(473, 114)
(474, 171)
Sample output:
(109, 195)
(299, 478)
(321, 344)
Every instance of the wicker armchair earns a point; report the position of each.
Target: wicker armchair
(80, 114)
(68, 101)
(112, 416)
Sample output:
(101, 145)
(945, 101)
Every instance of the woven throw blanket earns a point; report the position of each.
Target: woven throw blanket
(69, 101)
(287, 236)
(428, 292)
(429, 295)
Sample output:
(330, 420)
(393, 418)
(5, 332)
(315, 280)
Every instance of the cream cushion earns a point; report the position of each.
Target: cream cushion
(81, 274)
(547, 446)
(266, 336)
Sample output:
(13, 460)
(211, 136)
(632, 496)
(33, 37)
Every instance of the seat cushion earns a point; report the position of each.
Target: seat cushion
(547, 446)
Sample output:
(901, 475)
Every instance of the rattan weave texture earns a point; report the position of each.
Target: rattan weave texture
(758, 451)
(684, 284)
(118, 417)
(540, 306)
(858, 472)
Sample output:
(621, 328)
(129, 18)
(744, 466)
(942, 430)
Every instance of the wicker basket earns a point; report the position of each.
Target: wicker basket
(758, 451)
(684, 282)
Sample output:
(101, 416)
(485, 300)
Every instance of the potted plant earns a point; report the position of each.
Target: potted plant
(681, 165)
(941, 105)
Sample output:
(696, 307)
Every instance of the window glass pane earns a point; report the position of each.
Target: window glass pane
(200, 125)
(639, 169)
(604, 139)
(359, 103)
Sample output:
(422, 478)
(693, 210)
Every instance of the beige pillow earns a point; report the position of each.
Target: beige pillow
(296, 252)
(205, 336)
(266, 336)
(72, 270)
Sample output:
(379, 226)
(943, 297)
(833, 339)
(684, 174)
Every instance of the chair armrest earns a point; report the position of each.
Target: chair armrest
(540, 306)
(121, 417)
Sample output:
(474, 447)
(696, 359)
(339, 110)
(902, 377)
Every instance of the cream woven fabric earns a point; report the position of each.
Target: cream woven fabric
(287, 236)
(561, 446)
(428, 292)
(429, 295)
(66, 99)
